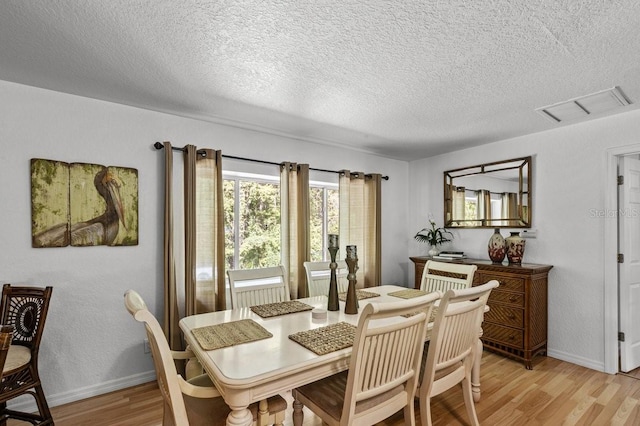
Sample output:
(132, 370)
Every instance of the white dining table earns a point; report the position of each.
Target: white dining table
(253, 371)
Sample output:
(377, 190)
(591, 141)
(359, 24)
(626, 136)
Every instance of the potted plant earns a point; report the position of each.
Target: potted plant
(434, 236)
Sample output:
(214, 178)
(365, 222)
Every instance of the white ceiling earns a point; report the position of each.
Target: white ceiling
(402, 78)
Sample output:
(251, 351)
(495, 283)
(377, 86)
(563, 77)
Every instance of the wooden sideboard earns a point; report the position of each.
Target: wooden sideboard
(516, 324)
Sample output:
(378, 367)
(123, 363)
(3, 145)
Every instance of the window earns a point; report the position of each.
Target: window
(252, 219)
(324, 202)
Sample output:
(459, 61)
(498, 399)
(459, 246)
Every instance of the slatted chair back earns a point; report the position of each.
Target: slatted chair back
(251, 287)
(383, 368)
(443, 276)
(166, 373)
(452, 347)
(319, 275)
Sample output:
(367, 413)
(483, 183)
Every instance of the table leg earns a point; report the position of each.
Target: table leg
(475, 372)
(298, 415)
(240, 416)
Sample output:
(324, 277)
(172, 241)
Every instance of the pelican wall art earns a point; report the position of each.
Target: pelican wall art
(83, 204)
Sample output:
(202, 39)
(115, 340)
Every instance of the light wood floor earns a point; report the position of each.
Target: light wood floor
(553, 393)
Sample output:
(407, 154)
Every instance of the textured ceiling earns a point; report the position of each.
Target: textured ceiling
(404, 79)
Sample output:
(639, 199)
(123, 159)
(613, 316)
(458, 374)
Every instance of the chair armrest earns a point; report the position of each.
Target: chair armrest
(186, 354)
(197, 391)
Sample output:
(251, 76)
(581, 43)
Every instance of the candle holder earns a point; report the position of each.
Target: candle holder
(333, 303)
(351, 304)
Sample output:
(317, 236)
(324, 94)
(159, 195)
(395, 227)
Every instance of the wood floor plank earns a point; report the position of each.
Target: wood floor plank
(553, 393)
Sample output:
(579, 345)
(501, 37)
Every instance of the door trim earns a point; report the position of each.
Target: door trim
(610, 252)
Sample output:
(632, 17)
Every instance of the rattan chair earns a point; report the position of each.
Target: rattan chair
(6, 334)
(193, 402)
(24, 308)
(443, 276)
(452, 347)
(383, 368)
(319, 274)
(251, 287)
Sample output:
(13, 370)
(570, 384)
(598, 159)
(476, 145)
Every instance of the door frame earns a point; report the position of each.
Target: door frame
(610, 253)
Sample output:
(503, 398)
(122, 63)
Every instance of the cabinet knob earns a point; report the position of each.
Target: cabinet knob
(513, 298)
(512, 337)
(511, 316)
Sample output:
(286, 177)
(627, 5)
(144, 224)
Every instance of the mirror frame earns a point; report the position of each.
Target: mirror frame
(525, 177)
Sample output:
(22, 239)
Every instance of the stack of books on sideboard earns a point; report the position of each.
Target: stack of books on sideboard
(449, 255)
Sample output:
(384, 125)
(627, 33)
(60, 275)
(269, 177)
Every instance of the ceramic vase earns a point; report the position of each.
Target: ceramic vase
(515, 247)
(497, 247)
(434, 251)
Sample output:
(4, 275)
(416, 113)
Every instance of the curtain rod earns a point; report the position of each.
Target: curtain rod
(160, 145)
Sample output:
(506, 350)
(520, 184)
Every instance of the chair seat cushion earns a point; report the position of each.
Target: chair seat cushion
(328, 394)
(17, 357)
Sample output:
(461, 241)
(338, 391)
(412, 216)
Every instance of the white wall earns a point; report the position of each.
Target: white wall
(91, 344)
(569, 168)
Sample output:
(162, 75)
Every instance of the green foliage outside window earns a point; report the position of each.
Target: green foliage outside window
(258, 222)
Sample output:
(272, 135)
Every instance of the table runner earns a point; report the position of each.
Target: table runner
(326, 339)
(229, 334)
(408, 294)
(280, 308)
(360, 294)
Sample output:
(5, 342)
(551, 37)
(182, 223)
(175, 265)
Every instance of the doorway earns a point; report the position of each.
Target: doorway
(611, 272)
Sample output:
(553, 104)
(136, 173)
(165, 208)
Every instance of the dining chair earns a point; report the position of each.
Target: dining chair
(319, 275)
(251, 287)
(443, 276)
(383, 368)
(196, 401)
(452, 347)
(25, 309)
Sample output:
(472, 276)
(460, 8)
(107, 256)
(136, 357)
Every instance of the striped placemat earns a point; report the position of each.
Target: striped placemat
(229, 334)
(408, 294)
(280, 308)
(327, 339)
(360, 294)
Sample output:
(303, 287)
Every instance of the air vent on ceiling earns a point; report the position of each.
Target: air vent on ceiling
(595, 103)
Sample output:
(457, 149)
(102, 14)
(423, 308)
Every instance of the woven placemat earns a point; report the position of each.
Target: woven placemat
(408, 294)
(434, 312)
(280, 308)
(229, 334)
(327, 339)
(360, 294)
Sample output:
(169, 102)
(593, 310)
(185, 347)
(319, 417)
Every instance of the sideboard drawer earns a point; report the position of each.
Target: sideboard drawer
(506, 283)
(510, 297)
(510, 316)
(503, 335)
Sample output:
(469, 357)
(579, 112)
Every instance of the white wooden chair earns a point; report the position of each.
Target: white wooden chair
(383, 368)
(251, 287)
(443, 276)
(452, 347)
(319, 275)
(196, 401)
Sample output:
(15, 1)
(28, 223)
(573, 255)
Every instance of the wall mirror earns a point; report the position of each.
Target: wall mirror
(491, 195)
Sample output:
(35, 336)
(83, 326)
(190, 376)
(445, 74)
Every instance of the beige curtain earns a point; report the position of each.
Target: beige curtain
(510, 208)
(171, 313)
(360, 224)
(458, 203)
(294, 219)
(483, 205)
(210, 238)
(185, 249)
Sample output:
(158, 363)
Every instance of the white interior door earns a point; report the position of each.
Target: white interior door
(629, 270)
